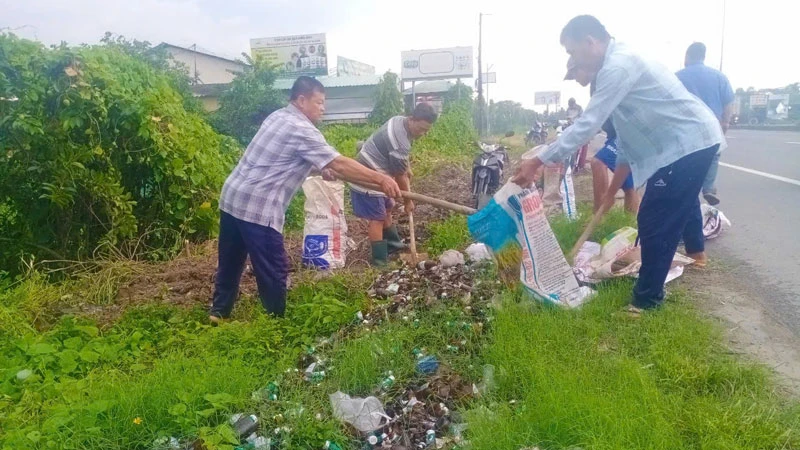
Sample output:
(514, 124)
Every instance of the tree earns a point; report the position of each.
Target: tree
(460, 94)
(98, 150)
(509, 115)
(249, 99)
(388, 99)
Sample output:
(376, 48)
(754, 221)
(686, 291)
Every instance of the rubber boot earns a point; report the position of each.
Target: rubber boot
(393, 240)
(380, 254)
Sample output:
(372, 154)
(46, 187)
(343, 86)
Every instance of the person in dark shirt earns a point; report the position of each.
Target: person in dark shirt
(714, 89)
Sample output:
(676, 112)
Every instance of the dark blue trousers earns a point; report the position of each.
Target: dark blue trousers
(670, 210)
(237, 240)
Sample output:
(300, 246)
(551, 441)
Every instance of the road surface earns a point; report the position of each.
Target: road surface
(759, 185)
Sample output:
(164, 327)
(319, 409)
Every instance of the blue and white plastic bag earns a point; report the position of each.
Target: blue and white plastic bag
(325, 230)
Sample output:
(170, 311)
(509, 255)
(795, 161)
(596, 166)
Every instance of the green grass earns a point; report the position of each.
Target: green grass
(598, 379)
(451, 233)
(592, 377)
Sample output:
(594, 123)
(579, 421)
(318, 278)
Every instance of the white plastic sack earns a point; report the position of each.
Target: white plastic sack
(552, 195)
(365, 414)
(479, 252)
(567, 191)
(544, 271)
(714, 221)
(451, 258)
(325, 230)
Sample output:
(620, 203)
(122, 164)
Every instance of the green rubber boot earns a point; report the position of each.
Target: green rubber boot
(393, 239)
(380, 254)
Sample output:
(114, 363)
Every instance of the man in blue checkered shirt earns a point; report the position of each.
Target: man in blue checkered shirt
(255, 196)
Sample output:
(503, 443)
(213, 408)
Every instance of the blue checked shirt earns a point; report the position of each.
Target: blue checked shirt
(657, 120)
(277, 161)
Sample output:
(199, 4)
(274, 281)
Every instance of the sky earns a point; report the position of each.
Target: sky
(520, 39)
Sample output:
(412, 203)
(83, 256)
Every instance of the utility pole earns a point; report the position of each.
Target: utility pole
(481, 101)
(722, 41)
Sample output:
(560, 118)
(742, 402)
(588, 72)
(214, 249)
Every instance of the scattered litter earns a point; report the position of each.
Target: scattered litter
(24, 374)
(331, 446)
(270, 392)
(392, 289)
(365, 414)
(619, 255)
(451, 258)
(244, 425)
(314, 373)
(167, 443)
(427, 365)
(478, 252)
(714, 221)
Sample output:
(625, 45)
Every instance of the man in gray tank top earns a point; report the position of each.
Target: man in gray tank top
(387, 151)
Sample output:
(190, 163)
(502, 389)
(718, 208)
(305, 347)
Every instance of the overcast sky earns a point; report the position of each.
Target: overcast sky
(520, 37)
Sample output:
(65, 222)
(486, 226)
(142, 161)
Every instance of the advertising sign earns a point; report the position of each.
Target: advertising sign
(347, 66)
(436, 64)
(758, 100)
(547, 97)
(303, 54)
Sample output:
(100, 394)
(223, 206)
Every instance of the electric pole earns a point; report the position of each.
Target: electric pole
(481, 101)
(722, 41)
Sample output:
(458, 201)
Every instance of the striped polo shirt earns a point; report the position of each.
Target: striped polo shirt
(386, 151)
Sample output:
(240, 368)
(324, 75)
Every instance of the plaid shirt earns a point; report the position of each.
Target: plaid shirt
(277, 161)
(657, 120)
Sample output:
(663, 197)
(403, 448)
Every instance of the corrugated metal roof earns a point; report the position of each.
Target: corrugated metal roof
(331, 82)
(430, 87)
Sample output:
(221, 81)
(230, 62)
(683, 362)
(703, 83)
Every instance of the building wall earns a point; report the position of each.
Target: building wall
(210, 104)
(210, 70)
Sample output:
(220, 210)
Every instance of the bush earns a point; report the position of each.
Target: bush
(99, 150)
(452, 138)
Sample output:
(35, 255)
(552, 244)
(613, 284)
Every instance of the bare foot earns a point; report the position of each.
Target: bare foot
(700, 259)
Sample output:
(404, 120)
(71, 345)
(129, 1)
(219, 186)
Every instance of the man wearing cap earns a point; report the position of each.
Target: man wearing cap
(606, 158)
(255, 196)
(666, 138)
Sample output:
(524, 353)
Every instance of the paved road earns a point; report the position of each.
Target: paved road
(763, 247)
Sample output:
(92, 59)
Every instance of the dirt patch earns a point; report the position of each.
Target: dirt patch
(749, 328)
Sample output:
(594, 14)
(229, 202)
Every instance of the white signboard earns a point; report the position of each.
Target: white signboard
(347, 66)
(490, 77)
(303, 54)
(758, 100)
(547, 97)
(441, 63)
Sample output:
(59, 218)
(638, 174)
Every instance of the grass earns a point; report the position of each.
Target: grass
(590, 378)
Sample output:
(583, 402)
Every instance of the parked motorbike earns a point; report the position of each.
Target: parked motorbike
(487, 171)
(536, 135)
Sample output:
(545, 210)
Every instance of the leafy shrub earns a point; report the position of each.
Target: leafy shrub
(98, 149)
(452, 138)
(248, 100)
(344, 137)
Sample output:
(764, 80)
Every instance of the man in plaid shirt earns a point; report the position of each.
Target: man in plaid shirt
(255, 196)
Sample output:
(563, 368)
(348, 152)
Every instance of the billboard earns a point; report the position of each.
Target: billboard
(759, 100)
(347, 66)
(302, 54)
(440, 63)
(546, 97)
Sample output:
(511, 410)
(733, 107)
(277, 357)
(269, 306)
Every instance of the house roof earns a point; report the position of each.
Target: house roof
(331, 82)
(201, 51)
(430, 87)
(209, 90)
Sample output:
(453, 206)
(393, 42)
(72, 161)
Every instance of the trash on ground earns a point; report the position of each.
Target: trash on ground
(714, 221)
(244, 425)
(618, 255)
(427, 365)
(365, 414)
(478, 252)
(451, 258)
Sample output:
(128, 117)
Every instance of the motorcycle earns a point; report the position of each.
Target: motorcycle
(487, 171)
(536, 135)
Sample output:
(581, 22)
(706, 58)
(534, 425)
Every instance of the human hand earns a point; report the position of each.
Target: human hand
(329, 175)
(526, 173)
(389, 186)
(408, 206)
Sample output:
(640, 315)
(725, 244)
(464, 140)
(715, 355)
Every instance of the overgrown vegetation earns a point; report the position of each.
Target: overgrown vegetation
(247, 101)
(99, 150)
(388, 100)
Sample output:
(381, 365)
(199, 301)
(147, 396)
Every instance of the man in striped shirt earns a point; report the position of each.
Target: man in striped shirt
(255, 196)
(387, 151)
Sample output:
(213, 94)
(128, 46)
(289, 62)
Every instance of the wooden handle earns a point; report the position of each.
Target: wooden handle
(586, 233)
(412, 237)
(466, 210)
